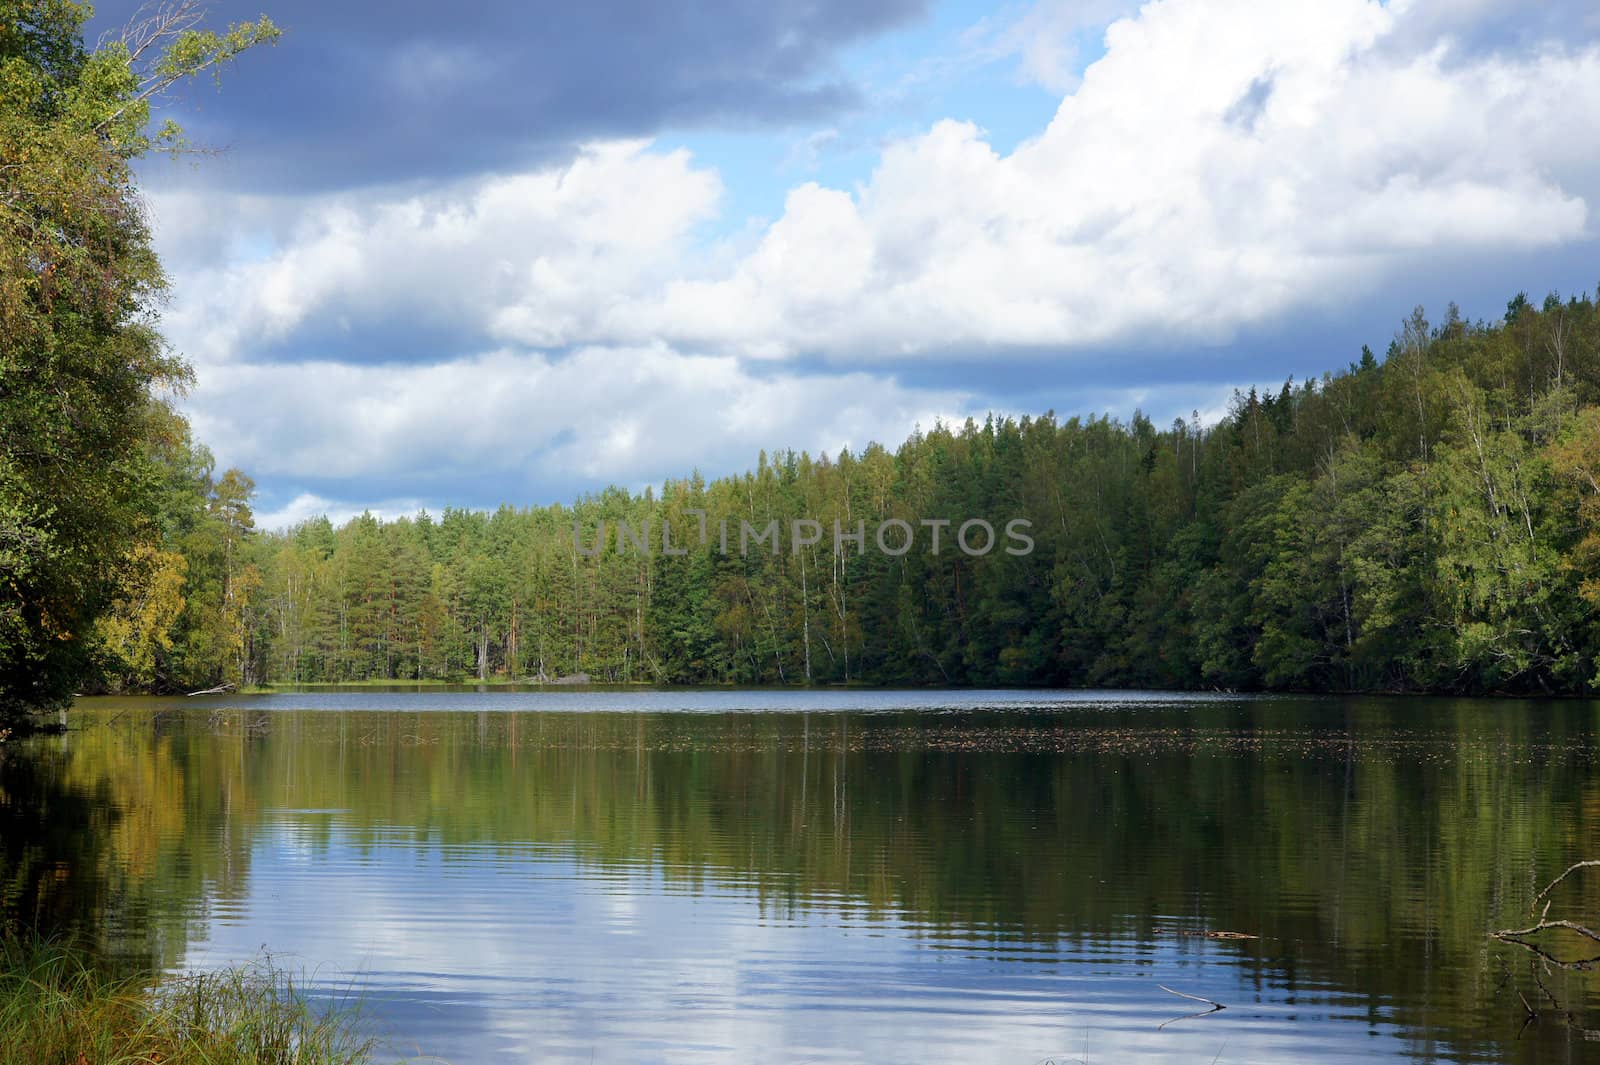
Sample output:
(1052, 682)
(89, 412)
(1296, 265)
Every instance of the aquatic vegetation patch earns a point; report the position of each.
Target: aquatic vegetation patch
(59, 1007)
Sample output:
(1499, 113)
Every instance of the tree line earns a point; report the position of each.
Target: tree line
(1426, 521)
(1429, 520)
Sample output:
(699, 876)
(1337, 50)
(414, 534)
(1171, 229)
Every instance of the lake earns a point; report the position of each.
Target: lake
(854, 876)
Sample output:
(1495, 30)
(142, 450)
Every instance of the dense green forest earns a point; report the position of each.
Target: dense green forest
(1425, 521)
(1429, 520)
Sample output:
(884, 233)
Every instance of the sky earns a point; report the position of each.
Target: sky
(511, 253)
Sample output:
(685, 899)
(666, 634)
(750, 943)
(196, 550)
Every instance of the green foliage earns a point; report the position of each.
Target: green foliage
(58, 1008)
(1428, 522)
(84, 376)
(1424, 523)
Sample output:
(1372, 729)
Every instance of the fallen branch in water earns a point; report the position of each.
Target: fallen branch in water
(1544, 923)
(1541, 962)
(1577, 965)
(220, 689)
(1215, 1006)
(1574, 867)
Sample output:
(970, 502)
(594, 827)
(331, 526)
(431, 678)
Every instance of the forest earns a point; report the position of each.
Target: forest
(1424, 521)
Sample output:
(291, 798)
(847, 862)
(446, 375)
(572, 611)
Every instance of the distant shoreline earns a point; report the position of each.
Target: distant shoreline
(508, 684)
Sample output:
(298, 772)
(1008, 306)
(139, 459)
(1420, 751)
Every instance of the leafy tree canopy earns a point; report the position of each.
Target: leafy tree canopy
(84, 374)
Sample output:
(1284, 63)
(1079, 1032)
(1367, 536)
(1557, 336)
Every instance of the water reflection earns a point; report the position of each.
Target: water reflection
(1006, 879)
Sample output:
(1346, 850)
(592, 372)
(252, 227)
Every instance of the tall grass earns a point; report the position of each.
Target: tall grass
(58, 1008)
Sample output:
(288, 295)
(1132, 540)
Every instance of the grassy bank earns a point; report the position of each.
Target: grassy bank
(58, 1008)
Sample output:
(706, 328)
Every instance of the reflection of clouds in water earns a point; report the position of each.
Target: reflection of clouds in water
(929, 886)
(622, 916)
(509, 953)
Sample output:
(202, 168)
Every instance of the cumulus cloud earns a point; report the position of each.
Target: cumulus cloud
(1224, 162)
(541, 258)
(1225, 165)
(525, 421)
(307, 505)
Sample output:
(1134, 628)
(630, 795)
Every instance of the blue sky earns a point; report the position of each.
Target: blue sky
(521, 253)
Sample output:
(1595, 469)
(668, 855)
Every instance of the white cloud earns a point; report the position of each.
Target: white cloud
(604, 415)
(308, 505)
(1225, 162)
(1224, 165)
(539, 257)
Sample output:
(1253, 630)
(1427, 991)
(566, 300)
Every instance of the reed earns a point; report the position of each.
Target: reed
(58, 1007)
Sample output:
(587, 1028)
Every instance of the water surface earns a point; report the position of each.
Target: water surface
(714, 876)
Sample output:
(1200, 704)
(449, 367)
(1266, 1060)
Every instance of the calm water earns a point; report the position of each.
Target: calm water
(1006, 877)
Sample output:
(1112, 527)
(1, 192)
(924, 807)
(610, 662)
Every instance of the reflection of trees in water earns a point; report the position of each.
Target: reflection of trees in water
(48, 837)
(1370, 859)
(101, 843)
